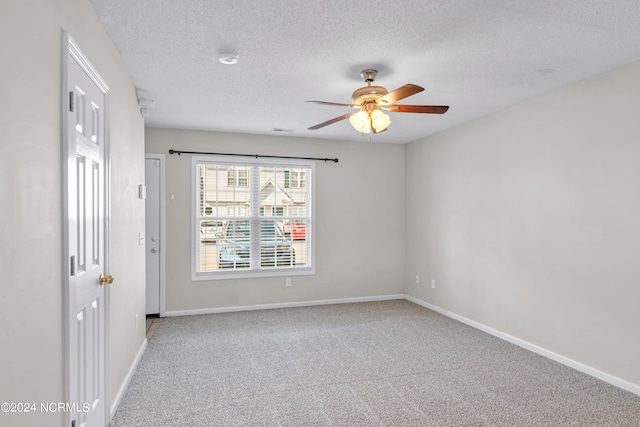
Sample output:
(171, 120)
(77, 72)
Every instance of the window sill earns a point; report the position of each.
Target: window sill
(252, 274)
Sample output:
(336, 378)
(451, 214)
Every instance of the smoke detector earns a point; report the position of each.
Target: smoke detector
(228, 57)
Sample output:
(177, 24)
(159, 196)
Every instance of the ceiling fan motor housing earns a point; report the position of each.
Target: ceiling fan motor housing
(368, 93)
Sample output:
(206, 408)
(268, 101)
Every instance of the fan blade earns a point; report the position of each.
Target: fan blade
(398, 94)
(428, 109)
(334, 104)
(332, 121)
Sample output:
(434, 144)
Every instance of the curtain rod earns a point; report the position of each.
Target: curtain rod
(178, 152)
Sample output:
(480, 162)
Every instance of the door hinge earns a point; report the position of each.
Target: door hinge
(72, 265)
(72, 99)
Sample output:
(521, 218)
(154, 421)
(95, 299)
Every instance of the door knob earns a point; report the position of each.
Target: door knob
(154, 250)
(105, 279)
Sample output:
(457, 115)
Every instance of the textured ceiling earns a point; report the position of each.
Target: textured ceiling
(475, 56)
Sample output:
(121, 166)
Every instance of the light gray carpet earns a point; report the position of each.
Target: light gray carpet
(390, 363)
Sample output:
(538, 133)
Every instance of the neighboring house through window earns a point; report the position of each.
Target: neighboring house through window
(294, 179)
(238, 176)
(252, 218)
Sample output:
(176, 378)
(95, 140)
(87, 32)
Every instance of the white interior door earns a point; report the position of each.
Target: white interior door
(85, 246)
(153, 231)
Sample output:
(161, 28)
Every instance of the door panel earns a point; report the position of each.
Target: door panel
(85, 194)
(152, 230)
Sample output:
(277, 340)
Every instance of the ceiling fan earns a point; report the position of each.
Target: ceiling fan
(372, 101)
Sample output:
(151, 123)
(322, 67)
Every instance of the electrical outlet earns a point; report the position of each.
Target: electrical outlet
(433, 283)
(287, 282)
(417, 278)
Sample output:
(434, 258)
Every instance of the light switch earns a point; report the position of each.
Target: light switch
(141, 238)
(142, 191)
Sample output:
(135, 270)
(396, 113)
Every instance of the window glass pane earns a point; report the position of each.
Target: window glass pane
(221, 193)
(230, 232)
(282, 191)
(275, 249)
(235, 245)
(243, 178)
(296, 229)
(211, 233)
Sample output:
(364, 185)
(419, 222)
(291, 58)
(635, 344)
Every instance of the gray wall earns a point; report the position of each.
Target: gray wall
(31, 304)
(359, 245)
(529, 221)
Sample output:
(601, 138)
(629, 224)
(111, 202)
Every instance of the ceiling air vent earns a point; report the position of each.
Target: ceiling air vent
(282, 130)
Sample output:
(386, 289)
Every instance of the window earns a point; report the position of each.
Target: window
(238, 177)
(294, 179)
(251, 218)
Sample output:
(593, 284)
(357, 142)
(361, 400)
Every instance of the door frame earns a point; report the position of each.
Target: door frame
(161, 158)
(71, 51)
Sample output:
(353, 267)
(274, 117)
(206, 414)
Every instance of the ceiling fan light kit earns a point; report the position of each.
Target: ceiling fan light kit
(379, 120)
(372, 100)
(365, 121)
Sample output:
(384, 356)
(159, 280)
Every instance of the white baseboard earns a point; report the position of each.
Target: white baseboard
(283, 305)
(613, 380)
(125, 383)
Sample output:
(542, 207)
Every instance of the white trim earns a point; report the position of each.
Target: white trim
(252, 274)
(127, 379)
(283, 305)
(76, 53)
(64, 107)
(611, 379)
(163, 251)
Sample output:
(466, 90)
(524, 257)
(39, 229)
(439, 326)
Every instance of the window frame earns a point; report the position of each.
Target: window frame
(254, 215)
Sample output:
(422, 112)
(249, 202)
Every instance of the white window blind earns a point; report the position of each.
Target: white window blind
(252, 218)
